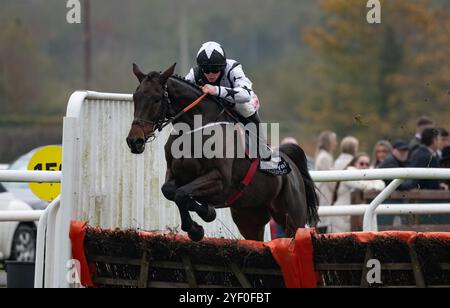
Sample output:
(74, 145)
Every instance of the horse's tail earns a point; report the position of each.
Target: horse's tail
(297, 154)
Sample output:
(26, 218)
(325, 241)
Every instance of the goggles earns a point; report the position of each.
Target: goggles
(214, 69)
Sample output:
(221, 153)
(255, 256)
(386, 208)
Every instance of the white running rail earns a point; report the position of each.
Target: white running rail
(45, 239)
(397, 175)
(25, 216)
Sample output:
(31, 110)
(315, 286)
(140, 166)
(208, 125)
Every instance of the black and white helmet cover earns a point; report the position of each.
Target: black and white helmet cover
(211, 54)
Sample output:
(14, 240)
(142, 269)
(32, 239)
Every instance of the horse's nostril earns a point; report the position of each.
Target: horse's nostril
(140, 142)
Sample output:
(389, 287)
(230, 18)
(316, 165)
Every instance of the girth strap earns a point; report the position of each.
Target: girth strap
(245, 183)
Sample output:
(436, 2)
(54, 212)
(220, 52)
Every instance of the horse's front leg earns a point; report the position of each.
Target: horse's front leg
(169, 189)
(185, 196)
(207, 213)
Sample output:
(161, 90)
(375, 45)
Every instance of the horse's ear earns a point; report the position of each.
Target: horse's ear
(165, 76)
(138, 73)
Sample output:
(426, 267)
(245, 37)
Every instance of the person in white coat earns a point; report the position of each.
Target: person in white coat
(326, 147)
(349, 148)
(343, 193)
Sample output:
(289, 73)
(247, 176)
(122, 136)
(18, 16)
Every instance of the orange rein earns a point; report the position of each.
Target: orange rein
(195, 103)
(185, 110)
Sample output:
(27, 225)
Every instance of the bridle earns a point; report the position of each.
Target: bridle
(160, 121)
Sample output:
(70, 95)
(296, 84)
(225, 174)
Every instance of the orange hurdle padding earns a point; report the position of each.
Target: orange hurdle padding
(78, 231)
(77, 235)
(294, 256)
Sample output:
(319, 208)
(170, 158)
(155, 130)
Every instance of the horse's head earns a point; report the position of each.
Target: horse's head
(149, 107)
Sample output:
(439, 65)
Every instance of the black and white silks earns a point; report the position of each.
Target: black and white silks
(233, 86)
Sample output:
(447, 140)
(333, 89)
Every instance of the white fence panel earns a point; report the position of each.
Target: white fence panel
(114, 188)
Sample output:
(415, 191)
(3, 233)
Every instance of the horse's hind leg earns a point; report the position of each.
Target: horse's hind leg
(290, 208)
(203, 186)
(251, 222)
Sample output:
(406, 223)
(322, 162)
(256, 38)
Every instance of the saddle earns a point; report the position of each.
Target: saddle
(277, 166)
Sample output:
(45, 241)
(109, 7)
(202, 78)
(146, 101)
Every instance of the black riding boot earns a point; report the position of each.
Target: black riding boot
(264, 153)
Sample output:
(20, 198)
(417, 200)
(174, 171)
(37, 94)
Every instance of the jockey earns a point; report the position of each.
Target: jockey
(225, 78)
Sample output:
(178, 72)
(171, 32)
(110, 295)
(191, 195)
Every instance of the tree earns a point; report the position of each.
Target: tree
(19, 81)
(379, 78)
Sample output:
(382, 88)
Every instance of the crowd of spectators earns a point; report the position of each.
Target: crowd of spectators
(429, 148)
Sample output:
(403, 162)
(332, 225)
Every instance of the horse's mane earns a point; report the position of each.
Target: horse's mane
(197, 87)
(156, 75)
(219, 101)
(188, 82)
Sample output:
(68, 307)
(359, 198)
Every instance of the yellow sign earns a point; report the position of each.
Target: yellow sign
(46, 159)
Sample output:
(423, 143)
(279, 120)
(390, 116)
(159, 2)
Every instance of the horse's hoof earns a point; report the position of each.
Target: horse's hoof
(197, 233)
(210, 216)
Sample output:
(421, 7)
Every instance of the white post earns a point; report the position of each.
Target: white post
(50, 246)
(267, 233)
(40, 251)
(63, 245)
(40, 245)
(370, 222)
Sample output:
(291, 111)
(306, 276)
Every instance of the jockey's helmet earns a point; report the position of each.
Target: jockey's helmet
(211, 58)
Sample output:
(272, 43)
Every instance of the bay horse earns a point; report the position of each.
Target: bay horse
(203, 184)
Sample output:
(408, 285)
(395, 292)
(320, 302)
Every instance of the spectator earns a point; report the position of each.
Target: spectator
(445, 161)
(444, 141)
(343, 192)
(399, 156)
(425, 157)
(349, 148)
(326, 147)
(397, 159)
(422, 124)
(382, 149)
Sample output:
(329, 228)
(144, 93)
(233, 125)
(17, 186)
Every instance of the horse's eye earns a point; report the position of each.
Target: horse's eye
(156, 99)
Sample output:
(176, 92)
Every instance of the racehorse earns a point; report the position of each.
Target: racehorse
(203, 184)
